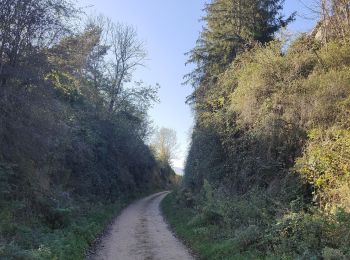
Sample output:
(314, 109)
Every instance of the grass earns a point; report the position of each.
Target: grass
(294, 235)
(208, 242)
(35, 241)
(205, 246)
(73, 242)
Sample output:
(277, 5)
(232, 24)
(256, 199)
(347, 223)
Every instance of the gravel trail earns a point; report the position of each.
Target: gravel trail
(140, 233)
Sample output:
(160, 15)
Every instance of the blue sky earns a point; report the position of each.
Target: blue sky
(170, 28)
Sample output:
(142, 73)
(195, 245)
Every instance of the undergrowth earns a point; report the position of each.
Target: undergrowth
(31, 239)
(240, 231)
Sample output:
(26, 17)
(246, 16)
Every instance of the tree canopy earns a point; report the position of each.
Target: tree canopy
(232, 26)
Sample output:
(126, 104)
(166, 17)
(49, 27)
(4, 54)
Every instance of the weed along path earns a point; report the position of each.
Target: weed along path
(140, 233)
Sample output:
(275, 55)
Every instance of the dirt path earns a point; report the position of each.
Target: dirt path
(140, 233)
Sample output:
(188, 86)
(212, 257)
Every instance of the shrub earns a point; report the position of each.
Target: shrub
(332, 254)
(246, 236)
(326, 165)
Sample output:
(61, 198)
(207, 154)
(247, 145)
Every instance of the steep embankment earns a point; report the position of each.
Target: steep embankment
(268, 171)
(72, 136)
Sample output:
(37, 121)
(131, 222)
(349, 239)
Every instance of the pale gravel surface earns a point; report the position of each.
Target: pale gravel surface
(140, 233)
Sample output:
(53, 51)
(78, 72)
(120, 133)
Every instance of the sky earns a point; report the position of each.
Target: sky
(169, 29)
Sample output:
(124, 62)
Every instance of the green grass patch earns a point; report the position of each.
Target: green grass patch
(70, 242)
(293, 235)
(206, 241)
(34, 240)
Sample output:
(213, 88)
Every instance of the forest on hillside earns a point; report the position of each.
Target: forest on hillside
(268, 171)
(73, 127)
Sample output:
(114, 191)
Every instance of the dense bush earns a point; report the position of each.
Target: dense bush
(271, 141)
(65, 151)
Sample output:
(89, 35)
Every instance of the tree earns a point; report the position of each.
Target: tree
(25, 27)
(127, 53)
(112, 63)
(335, 20)
(110, 69)
(69, 58)
(165, 145)
(231, 27)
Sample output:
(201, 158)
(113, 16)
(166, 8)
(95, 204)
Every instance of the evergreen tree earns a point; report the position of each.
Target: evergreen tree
(231, 27)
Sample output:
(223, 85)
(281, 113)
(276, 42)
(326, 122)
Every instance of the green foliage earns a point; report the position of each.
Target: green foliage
(266, 102)
(70, 242)
(332, 254)
(231, 27)
(212, 241)
(63, 153)
(268, 167)
(325, 165)
(252, 229)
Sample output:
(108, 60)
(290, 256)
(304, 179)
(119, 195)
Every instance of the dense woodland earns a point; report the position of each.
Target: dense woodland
(268, 171)
(73, 127)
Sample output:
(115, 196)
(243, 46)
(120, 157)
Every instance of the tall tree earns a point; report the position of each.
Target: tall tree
(127, 53)
(165, 145)
(231, 27)
(110, 68)
(25, 27)
(113, 62)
